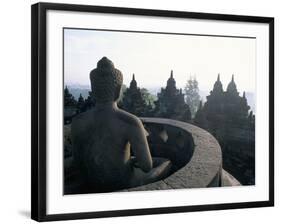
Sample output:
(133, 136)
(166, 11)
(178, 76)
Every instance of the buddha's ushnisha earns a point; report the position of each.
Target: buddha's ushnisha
(106, 81)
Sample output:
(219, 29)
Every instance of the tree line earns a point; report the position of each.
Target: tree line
(170, 102)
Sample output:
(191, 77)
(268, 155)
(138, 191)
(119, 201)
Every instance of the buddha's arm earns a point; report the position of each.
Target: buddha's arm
(140, 147)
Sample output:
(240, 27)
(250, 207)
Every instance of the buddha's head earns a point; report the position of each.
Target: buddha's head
(106, 81)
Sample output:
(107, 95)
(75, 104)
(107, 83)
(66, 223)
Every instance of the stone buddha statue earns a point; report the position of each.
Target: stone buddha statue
(105, 138)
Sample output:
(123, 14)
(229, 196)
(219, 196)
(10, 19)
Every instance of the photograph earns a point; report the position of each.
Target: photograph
(147, 111)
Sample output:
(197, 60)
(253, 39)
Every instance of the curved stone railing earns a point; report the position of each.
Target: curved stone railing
(195, 153)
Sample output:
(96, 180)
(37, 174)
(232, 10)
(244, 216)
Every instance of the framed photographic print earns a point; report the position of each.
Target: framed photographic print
(140, 111)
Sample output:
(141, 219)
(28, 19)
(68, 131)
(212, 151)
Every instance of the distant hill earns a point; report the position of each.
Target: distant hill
(77, 91)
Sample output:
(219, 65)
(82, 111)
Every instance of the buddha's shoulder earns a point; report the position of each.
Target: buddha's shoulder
(128, 118)
(82, 118)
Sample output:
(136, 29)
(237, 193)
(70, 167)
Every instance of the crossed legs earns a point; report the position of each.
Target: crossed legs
(161, 169)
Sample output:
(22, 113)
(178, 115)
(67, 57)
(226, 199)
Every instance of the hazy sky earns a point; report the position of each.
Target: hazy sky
(152, 56)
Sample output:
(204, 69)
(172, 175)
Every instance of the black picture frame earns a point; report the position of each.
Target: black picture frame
(39, 122)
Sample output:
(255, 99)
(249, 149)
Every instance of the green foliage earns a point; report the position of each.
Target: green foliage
(192, 97)
(81, 104)
(148, 97)
(69, 100)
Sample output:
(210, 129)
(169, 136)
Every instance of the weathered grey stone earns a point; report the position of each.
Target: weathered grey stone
(226, 115)
(204, 166)
(103, 138)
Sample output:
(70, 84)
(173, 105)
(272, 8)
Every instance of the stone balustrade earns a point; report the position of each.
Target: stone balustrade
(195, 153)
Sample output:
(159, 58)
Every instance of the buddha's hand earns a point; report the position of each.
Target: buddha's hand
(134, 162)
